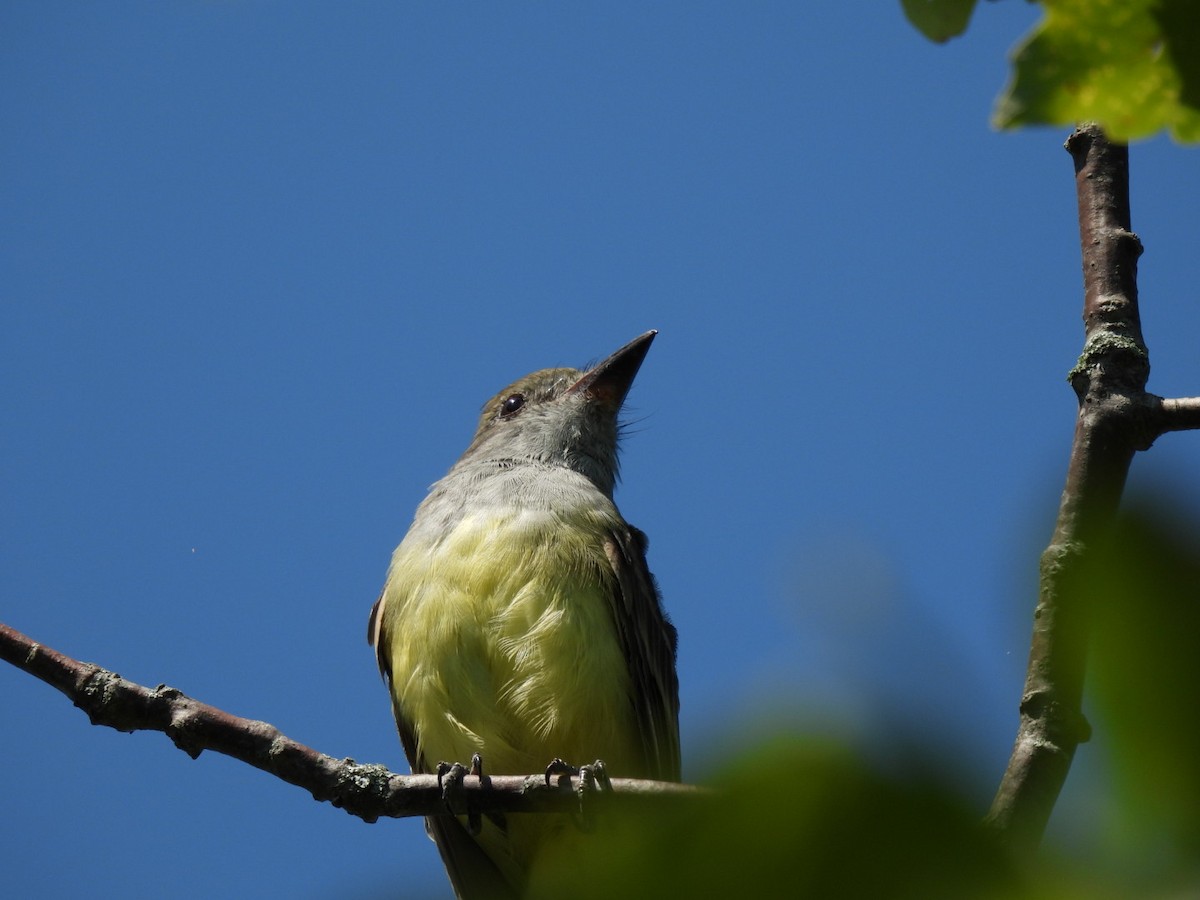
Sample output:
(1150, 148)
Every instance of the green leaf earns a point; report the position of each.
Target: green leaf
(1115, 62)
(1179, 21)
(939, 20)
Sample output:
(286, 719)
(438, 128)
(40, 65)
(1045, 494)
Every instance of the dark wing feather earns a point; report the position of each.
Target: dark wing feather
(472, 873)
(648, 641)
(377, 637)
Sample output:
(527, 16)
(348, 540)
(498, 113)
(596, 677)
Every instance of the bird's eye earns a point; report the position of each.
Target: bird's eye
(511, 405)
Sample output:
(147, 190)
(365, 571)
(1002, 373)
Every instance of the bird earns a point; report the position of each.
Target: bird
(519, 621)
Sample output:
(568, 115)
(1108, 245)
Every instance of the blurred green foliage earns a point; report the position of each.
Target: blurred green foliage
(796, 816)
(1131, 65)
(939, 20)
(1145, 690)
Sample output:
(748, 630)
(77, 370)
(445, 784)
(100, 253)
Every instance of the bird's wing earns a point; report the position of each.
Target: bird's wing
(377, 637)
(472, 872)
(648, 641)
(375, 634)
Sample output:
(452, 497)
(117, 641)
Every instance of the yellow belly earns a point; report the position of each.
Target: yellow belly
(503, 644)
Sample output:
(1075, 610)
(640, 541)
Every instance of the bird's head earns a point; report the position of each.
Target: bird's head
(564, 417)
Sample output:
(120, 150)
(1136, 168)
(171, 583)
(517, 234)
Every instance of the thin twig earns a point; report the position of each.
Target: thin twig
(1182, 414)
(363, 790)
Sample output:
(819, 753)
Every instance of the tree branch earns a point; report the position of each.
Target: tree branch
(363, 790)
(1116, 418)
(1180, 415)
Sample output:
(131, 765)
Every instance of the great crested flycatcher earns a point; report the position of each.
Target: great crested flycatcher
(519, 621)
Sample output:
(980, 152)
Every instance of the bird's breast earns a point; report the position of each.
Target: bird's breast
(503, 639)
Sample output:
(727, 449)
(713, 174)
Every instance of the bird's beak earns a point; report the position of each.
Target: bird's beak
(609, 382)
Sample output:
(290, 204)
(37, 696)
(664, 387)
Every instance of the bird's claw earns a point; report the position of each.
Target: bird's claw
(593, 779)
(560, 769)
(450, 780)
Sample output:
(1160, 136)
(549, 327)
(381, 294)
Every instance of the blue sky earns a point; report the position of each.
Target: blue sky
(263, 261)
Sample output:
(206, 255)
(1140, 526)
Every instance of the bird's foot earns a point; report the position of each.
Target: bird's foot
(593, 779)
(454, 795)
